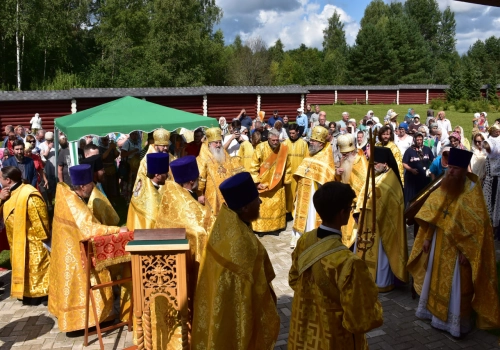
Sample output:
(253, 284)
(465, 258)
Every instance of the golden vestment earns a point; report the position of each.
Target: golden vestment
(462, 226)
(246, 154)
(313, 171)
(357, 181)
(212, 174)
(335, 301)
(102, 209)
(143, 204)
(25, 232)
(391, 228)
(397, 155)
(234, 305)
(178, 209)
(272, 168)
(297, 151)
(74, 222)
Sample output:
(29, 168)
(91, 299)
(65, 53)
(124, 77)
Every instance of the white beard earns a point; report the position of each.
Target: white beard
(347, 166)
(218, 154)
(313, 149)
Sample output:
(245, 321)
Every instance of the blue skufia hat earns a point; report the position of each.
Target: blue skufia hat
(81, 174)
(459, 157)
(157, 163)
(404, 126)
(185, 169)
(239, 190)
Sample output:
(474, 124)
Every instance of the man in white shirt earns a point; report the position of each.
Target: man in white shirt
(36, 123)
(232, 141)
(444, 123)
(403, 140)
(342, 124)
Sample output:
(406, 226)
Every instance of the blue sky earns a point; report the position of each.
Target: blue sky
(303, 21)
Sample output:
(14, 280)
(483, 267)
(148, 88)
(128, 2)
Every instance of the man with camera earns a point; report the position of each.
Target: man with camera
(232, 141)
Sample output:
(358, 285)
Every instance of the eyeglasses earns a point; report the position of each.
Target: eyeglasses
(32, 141)
(478, 141)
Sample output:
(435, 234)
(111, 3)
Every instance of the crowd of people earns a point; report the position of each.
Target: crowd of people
(230, 184)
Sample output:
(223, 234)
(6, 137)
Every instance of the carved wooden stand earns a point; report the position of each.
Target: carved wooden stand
(159, 269)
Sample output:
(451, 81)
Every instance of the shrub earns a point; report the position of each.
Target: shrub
(482, 105)
(341, 103)
(436, 103)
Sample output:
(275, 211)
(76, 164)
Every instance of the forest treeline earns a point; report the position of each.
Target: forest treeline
(62, 44)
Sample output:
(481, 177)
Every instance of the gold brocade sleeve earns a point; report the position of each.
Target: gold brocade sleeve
(102, 209)
(359, 297)
(39, 218)
(257, 159)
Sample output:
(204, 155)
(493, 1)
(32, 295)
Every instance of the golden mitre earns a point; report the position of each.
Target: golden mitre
(161, 137)
(319, 133)
(213, 134)
(345, 143)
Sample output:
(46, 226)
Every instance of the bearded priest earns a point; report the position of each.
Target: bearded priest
(235, 304)
(453, 259)
(352, 171)
(270, 171)
(215, 166)
(315, 170)
(387, 254)
(386, 139)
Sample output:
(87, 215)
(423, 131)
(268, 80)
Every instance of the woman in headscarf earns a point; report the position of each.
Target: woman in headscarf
(223, 126)
(278, 125)
(362, 143)
(478, 161)
(456, 141)
(409, 116)
(430, 115)
(459, 130)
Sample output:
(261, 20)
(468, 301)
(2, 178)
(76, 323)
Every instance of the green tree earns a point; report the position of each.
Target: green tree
(277, 51)
(376, 11)
(335, 51)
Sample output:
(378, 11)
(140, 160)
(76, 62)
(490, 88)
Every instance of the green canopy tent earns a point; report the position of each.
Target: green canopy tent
(125, 115)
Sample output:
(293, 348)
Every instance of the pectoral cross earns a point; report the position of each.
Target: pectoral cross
(307, 169)
(445, 212)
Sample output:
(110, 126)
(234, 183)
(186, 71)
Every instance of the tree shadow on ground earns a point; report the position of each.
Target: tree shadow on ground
(24, 329)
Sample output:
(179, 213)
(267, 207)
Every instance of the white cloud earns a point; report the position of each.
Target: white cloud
(303, 25)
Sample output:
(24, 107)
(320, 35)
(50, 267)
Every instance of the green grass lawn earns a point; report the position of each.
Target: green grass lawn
(334, 113)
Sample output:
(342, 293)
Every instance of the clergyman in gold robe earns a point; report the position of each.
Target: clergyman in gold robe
(385, 251)
(235, 304)
(146, 195)
(315, 170)
(179, 208)
(271, 171)
(297, 151)
(336, 300)
(215, 166)
(27, 226)
(453, 258)
(74, 222)
(352, 170)
(386, 138)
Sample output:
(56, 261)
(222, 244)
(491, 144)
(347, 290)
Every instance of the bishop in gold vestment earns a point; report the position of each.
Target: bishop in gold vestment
(353, 169)
(180, 209)
(271, 170)
(215, 166)
(235, 305)
(387, 254)
(453, 258)
(74, 222)
(297, 151)
(315, 170)
(385, 135)
(143, 208)
(27, 226)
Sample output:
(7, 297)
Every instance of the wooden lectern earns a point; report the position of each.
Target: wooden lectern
(159, 269)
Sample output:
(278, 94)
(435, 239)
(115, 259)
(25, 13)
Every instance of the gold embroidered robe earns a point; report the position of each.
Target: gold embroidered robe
(313, 171)
(212, 174)
(143, 165)
(234, 304)
(102, 209)
(297, 151)
(178, 209)
(397, 155)
(74, 222)
(27, 225)
(357, 181)
(271, 168)
(246, 154)
(335, 301)
(143, 207)
(466, 229)
(391, 228)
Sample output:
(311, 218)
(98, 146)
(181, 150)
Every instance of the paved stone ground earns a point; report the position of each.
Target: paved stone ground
(29, 327)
